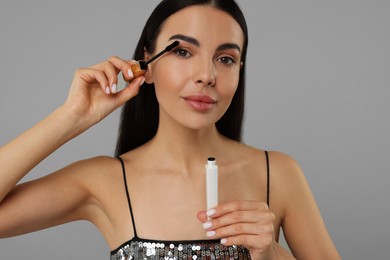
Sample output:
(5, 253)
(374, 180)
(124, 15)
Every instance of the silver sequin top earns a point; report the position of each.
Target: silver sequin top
(169, 250)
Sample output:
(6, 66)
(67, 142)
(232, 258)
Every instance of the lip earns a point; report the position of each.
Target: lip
(200, 103)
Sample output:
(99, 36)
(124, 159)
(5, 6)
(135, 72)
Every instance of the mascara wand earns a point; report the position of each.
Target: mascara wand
(141, 66)
(144, 65)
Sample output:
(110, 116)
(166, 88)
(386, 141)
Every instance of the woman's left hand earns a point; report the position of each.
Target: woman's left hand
(246, 223)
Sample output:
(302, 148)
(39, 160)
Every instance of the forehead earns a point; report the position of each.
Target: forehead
(205, 23)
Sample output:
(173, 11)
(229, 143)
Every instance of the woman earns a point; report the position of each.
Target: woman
(150, 201)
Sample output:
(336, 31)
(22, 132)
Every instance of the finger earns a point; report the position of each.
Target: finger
(112, 75)
(252, 216)
(242, 228)
(130, 91)
(262, 243)
(235, 206)
(112, 67)
(122, 83)
(202, 217)
(91, 76)
(123, 66)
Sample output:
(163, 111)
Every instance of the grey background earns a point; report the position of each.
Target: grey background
(318, 90)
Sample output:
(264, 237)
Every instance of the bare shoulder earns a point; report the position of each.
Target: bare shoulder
(287, 177)
(284, 167)
(92, 171)
(97, 164)
(285, 171)
(100, 178)
(92, 177)
(244, 153)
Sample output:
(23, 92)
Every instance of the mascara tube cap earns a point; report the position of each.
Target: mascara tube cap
(211, 183)
(139, 68)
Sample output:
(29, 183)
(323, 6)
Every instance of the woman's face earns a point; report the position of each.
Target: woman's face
(195, 83)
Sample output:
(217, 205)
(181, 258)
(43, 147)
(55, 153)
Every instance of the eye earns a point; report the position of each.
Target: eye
(182, 53)
(227, 60)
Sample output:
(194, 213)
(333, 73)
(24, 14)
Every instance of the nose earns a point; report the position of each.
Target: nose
(204, 73)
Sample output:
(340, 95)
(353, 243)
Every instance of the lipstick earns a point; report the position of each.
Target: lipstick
(211, 183)
(200, 103)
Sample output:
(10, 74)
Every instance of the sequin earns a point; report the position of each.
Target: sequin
(195, 250)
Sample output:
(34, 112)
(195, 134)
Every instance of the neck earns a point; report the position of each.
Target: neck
(186, 149)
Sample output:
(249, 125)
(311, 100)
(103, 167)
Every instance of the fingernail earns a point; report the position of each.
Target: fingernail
(207, 225)
(223, 241)
(107, 90)
(210, 233)
(130, 73)
(142, 82)
(211, 212)
(113, 88)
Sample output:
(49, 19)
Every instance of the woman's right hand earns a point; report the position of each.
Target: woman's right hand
(93, 94)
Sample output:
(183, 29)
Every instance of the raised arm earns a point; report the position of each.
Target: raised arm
(91, 98)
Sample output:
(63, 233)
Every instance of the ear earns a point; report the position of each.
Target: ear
(148, 74)
(241, 64)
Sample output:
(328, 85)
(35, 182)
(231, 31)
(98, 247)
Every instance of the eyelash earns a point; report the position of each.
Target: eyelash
(230, 61)
(186, 54)
(179, 52)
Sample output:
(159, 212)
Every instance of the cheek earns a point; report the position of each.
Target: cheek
(168, 74)
(227, 86)
(168, 81)
(227, 89)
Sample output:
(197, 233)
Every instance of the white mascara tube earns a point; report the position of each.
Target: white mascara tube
(211, 183)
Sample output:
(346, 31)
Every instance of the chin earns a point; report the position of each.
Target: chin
(197, 124)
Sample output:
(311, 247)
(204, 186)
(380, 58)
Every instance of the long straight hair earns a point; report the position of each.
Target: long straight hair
(140, 115)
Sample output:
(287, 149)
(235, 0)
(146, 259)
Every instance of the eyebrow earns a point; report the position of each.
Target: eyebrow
(195, 42)
(226, 46)
(182, 37)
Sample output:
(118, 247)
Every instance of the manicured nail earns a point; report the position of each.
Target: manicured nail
(211, 212)
(107, 90)
(210, 233)
(207, 225)
(113, 88)
(142, 82)
(130, 73)
(223, 241)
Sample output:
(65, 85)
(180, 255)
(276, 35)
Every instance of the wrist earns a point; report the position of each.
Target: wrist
(279, 253)
(68, 123)
(275, 252)
(264, 255)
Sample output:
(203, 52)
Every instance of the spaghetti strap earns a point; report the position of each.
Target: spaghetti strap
(268, 177)
(128, 196)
